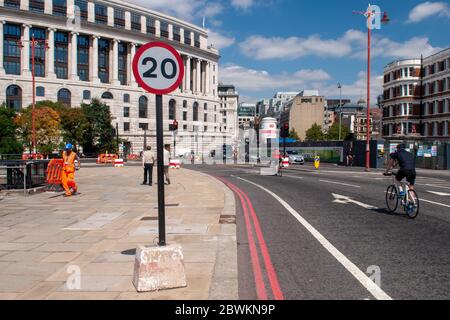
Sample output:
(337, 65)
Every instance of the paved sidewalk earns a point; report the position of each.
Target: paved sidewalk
(43, 238)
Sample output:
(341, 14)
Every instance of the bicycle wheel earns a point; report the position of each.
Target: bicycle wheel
(412, 208)
(392, 198)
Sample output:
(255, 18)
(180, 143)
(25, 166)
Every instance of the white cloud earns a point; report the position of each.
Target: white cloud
(357, 89)
(189, 10)
(242, 4)
(219, 40)
(428, 9)
(291, 48)
(259, 80)
(352, 43)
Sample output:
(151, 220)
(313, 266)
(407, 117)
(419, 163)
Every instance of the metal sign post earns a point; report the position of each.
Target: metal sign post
(158, 68)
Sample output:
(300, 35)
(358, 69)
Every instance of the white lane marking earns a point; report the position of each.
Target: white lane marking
(293, 177)
(433, 202)
(340, 183)
(376, 291)
(345, 200)
(433, 185)
(442, 194)
(437, 203)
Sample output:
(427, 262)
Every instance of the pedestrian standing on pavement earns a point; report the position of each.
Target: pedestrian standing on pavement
(148, 161)
(167, 162)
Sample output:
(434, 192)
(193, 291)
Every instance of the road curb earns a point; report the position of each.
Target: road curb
(224, 284)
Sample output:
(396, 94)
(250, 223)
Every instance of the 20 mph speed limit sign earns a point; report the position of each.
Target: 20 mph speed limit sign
(158, 68)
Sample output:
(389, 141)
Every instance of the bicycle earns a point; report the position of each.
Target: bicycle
(409, 201)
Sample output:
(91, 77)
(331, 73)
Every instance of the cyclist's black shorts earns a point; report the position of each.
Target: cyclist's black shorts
(410, 176)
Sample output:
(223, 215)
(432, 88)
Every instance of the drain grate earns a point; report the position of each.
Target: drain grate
(149, 219)
(227, 219)
(170, 205)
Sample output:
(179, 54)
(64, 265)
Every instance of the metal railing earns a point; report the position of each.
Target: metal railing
(19, 174)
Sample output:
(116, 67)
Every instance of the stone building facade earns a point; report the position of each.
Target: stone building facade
(84, 49)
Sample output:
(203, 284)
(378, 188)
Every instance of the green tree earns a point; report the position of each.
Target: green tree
(333, 132)
(9, 143)
(99, 134)
(294, 135)
(73, 125)
(315, 133)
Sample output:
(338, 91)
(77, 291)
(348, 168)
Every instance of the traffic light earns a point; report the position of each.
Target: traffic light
(284, 131)
(174, 126)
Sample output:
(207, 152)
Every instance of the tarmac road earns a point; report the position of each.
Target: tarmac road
(328, 235)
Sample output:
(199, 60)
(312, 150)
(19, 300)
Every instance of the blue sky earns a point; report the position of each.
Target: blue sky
(292, 45)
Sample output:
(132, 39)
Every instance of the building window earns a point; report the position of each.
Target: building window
(164, 27)
(123, 53)
(15, 4)
(176, 33)
(143, 126)
(185, 127)
(83, 58)
(184, 115)
(14, 97)
(40, 91)
(126, 126)
(143, 107)
(172, 109)
(184, 104)
(126, 112)
(205, 117)
(11, 53)
(126, 98)
(135, 22)
(61, 54)
(101, 14)
(150, 26)
(195, 112)
(86, 95)
(187, 37)
(65, 97)
(119, 18)
(83, 7)
(60, 8)
(103, 60)
(196, 40)
(107, 95)
(39, 52)
(37, 5)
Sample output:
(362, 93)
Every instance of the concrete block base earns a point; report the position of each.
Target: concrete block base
(159, 268)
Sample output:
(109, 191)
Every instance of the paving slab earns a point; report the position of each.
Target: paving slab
(41, 237)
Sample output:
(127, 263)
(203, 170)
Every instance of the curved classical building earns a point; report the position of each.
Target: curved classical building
(84, 49)
(401, 99)
(416, 101)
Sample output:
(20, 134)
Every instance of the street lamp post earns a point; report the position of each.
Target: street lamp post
(340, 109)
(370, 14)
(33, 42)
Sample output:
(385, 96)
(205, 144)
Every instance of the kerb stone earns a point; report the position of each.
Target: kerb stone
(159, 268)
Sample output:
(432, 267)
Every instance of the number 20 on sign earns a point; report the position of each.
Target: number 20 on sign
(158, 68)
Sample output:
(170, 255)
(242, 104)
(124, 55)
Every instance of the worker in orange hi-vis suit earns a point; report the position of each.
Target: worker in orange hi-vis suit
(68, 171)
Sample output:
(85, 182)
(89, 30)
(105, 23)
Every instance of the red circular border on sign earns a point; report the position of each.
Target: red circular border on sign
(138, 78)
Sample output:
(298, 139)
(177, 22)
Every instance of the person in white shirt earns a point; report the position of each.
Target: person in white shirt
(148, 161)
(167, 162)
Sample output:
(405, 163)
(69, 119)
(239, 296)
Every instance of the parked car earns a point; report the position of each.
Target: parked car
(295, 157)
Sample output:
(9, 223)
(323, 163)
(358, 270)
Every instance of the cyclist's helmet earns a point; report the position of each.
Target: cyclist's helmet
(69, 146)
(401, 146)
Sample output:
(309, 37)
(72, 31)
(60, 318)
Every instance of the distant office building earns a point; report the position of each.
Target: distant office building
(246, 114)
(334, 103)
(229, 101)
(262, 107)
(303, 111)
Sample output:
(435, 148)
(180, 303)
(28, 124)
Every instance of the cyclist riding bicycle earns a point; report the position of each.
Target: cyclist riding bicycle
(407, 169)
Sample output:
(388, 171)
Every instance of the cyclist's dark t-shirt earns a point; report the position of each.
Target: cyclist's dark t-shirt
(405, 160)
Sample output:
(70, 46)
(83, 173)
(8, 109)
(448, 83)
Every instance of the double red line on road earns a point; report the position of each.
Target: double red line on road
(250, 216)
